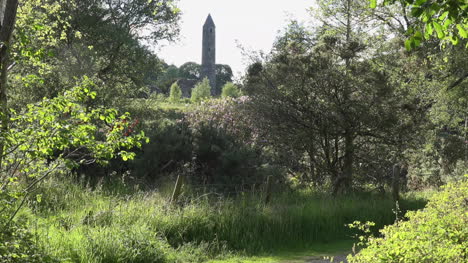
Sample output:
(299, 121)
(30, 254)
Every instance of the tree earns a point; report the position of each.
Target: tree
(56, 133)
(344, 22)
(118, 32)
(175, 94)
(99, 39)
(48, 137)
(230, 90)
(190, 70)
(8, 9)
(439, 72)
(223, 76)
(166, 78)
(448, 20)
(328, 99)
(201, 91)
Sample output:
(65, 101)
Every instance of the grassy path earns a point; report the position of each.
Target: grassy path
(314, 254)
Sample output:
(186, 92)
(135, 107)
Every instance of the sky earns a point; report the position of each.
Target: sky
(252, 24)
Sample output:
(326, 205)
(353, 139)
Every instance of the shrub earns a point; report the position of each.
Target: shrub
(160, 97)
(175, 93)
(201, 91)
(170, 146)
(230, 90)
(49, 138)
(17, 245)
(230, 115)
(227, 147)
(220, 158)
(436, 234)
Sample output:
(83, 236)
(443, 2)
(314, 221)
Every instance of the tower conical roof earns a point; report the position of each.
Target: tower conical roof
(209, 21)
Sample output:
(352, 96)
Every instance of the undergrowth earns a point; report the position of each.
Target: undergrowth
(76, 223)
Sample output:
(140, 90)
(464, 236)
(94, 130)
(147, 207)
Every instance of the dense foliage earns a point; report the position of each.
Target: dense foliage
(338, 108)
(445, 19)
(175, 93)
(50, 138)
(191, 71)
(348, 105)
(230, 90)
(201, 91)
(94, 225)
(64, 40)
(437, 233)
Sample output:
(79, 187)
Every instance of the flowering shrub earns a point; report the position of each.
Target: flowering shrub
(229, 114)
(226, 142)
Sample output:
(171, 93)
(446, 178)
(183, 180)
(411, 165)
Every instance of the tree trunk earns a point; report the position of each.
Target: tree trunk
(348, 159)
(8, 10)
(396, 183)
(345, 179)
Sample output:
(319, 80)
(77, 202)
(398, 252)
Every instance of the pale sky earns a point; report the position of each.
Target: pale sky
(253, 24)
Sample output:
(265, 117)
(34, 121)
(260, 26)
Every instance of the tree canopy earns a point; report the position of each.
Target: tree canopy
(447, 20)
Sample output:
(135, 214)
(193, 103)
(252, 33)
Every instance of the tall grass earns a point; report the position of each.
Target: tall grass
(75, 223)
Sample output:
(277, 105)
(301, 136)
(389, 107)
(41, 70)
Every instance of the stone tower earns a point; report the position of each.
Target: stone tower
(208, 67)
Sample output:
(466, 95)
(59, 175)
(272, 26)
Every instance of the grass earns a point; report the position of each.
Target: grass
(77, 223)
(154, 104)
(315, 251)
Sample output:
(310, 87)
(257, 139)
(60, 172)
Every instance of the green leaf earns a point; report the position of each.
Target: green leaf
(429, 29)
(408, 44)
(420, 2)
(454, 40)
(447, 22)
(443, 16)
(418, 35)
(373, 3)
(416, 11)
(39, 198)
(438, 28)
(462, 31)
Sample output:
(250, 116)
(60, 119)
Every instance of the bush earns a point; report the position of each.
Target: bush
(160, 97)
(49, 138)
(227, 147)
(201, 91)
(176, 93)
(436, 234)
(220, 158)
(230, 90)
(170, 147)
(17, 244)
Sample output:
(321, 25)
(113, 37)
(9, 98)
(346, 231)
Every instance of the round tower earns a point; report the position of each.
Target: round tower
(209, 53)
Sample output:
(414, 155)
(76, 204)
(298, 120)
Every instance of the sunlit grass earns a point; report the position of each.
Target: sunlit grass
(315, 251)
(78, 224)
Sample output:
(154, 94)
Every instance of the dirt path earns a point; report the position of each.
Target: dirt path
(336, 259)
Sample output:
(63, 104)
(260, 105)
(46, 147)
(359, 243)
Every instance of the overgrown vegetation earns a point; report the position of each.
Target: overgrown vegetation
(175, 93)
(230, 90)
(201, 91)
(340, 121)
(437, 233)
(111, 222)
